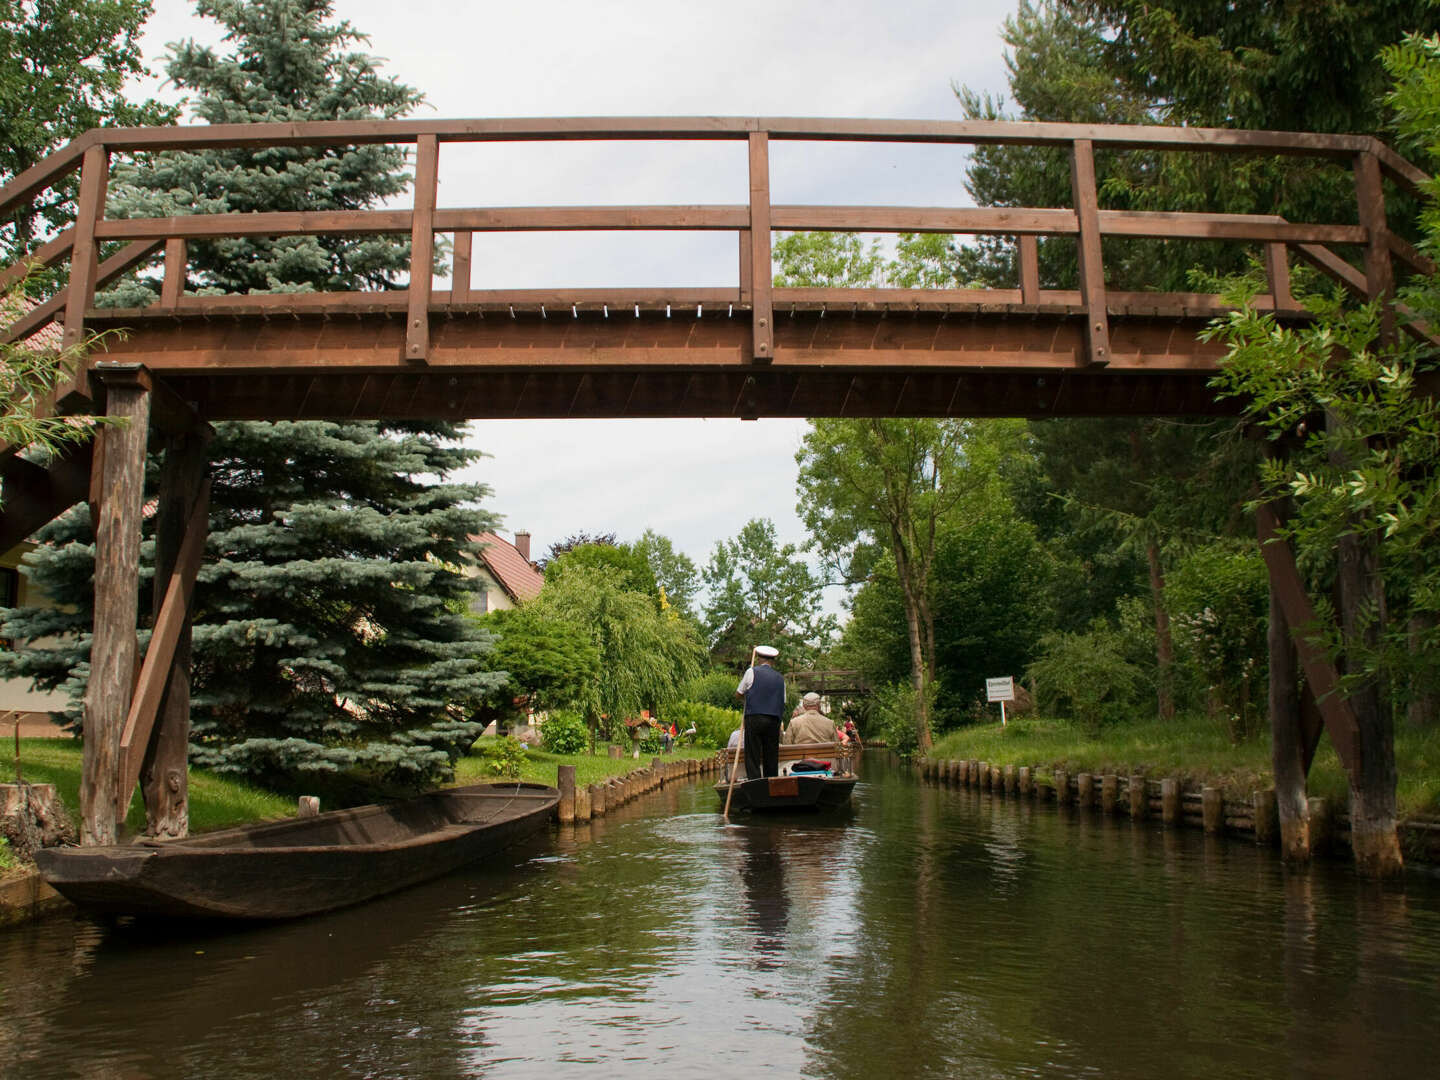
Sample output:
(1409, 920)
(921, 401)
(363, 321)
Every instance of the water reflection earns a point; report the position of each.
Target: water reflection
(939, 932)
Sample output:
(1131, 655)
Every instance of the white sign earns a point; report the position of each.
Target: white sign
(1000, 689)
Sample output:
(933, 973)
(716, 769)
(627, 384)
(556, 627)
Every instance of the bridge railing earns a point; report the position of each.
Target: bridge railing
(141, 239)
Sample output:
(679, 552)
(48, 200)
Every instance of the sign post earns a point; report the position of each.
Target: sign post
(1001, 690)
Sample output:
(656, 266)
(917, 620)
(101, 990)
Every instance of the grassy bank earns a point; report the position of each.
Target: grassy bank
(215, 802)
(539, 766)
(1192, 749)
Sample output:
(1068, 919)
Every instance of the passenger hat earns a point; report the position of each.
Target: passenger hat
(767, 651)
(812, 698)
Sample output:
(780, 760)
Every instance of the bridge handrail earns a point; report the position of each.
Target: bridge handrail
(753, 222)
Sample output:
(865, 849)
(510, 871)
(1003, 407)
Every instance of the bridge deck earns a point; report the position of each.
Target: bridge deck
(489, 360)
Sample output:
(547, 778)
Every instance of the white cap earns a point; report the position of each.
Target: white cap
(767, 651)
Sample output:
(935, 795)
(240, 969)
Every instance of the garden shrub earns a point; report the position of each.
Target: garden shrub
(1087, 676)
(504, 757)
(715, 688)
(712, 724)
(653, 742)
(565, 733)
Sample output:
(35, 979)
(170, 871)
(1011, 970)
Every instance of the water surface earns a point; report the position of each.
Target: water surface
(933, 933)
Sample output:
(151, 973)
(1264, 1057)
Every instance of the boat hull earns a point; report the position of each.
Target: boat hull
(778, 794)
(303, 866)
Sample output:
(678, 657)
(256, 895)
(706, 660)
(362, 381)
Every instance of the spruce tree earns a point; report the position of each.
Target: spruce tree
(331, 630)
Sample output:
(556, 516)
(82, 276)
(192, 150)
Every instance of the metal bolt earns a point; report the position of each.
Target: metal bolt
(764, 322)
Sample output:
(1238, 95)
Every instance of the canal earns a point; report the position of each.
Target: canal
(936, 933)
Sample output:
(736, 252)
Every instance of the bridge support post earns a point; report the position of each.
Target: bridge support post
(183, 505)
(761, 306)
(117, 483)
(1288, 739)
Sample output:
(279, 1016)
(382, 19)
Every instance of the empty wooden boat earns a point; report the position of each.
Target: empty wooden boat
(284, 869)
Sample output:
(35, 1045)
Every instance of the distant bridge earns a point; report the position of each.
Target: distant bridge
(747, 350)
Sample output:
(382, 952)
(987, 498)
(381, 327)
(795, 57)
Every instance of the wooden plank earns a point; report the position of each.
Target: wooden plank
(979, 221)
(1379, 271)
(1409, 254)
(34, 495)
(171, 624)
(47, 172)
(120, 485)
(460, 267)
(745, 256)
(422, 251)
(1288, 588)
(173, 285)
(584, 218)
(761, 281)
(1092, 269)
(44, 256)
(1029, 259)
(110, 269)
(505, 129)
(1166, 225)
(1277, 273)
(84, 262)
(218, 226)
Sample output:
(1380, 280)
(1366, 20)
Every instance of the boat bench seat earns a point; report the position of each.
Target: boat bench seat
(826, 751)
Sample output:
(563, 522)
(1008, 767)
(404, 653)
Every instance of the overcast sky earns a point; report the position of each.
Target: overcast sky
(696, 481)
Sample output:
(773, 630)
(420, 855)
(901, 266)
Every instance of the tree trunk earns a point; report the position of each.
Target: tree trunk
(1372, 789)
(1164, 643)
(1424, 704)
(919, 672)
(120, 468)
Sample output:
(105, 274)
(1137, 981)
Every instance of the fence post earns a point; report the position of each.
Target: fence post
(762, 314)
(565, 781)
(1092, 270)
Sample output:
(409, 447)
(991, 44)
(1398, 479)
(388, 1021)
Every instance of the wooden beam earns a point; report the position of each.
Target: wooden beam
(173, 285)
(1092, 269)
(34, 495)
(460, 267)
(422, 251)
(1028, 255)
(1277, 273)
(1379, 271)
(170, 630)
(110, 269)
(119, 483)
(1288, 588)
(762, 313)
(84, 261)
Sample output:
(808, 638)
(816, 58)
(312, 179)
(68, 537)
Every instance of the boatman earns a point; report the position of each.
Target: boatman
(763, 689)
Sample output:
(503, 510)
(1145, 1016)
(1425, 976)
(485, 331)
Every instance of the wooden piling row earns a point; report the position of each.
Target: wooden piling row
(578, 804)
(1135, 796)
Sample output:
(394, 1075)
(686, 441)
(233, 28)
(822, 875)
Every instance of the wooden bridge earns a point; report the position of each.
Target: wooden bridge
(746, 351)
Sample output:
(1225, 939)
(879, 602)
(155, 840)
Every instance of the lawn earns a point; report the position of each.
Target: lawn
(1195, 750)
(216, 802)
(541, 766)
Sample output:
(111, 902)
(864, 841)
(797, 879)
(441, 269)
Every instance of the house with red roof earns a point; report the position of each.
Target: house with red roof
(508, 575)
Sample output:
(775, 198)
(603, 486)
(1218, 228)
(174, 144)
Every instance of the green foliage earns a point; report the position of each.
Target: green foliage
(652, 743)
(674, 571)
(715, 688)
(288, 62)
(712, 724)
(762, 592)
(1087, 676)
(28, 375)
(7, 857)
(565, 732)
(551, 662)
(645, 653)
(64, 65)
(502, 757)
(1219, 606)
(630, 566)
(891, 717)
(828, 260)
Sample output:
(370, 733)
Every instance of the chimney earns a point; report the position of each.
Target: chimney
(522, 545)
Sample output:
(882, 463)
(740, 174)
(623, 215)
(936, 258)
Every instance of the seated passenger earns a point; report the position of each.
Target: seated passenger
(811, 725)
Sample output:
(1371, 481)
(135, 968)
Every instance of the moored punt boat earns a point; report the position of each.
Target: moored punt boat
(300, 866)
(791, 790)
